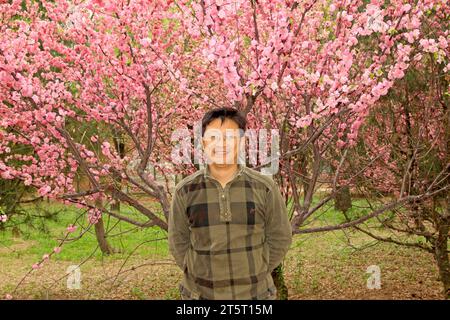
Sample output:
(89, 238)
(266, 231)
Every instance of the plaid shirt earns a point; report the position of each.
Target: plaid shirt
(227, 240)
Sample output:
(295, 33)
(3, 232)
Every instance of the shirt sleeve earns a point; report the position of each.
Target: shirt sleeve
(178, 229)
(278, 227)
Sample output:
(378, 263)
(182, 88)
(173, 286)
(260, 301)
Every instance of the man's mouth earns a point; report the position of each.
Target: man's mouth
(223, 152)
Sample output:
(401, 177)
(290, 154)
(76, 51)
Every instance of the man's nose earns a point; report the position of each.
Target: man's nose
(221, 139)
(221, 144)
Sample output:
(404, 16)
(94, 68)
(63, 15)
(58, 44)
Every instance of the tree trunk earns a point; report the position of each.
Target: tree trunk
(115, 206)
(343, 200)
(441, 255)
(101, 237)
(278, 279)
(120, 149)
(100, 233)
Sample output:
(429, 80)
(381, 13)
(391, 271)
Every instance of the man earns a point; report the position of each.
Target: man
(228, 224)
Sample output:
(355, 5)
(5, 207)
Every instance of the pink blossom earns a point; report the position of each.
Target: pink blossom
(443, 43)
(145, 42)
(222, 14)
(71, 228)
(28, 181)
(304, 121)
(27, 91)
(7, 175)
(44, 190)
(341, 144)
(57, 249)
(274, 86)
(406, 7)
(429, 45)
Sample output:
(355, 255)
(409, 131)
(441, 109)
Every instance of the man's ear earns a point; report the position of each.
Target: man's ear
(202, 142)
(242, 142)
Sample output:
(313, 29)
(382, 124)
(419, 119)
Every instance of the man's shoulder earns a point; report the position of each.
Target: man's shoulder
(252, 174)
(266, 180)
(190, 178)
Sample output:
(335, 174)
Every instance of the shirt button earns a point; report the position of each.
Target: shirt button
(223, 196)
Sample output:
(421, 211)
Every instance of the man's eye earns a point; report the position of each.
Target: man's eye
(210, 138)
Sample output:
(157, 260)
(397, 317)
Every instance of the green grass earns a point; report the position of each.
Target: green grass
(318, 265)
(43, 234)
(46, 223)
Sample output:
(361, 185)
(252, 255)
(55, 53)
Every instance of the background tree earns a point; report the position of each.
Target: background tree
(411, 126)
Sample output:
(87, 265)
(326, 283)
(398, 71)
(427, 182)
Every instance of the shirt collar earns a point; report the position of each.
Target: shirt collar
(238, 173)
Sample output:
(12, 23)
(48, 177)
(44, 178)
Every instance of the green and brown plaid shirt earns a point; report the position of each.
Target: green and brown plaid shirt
(227, 240)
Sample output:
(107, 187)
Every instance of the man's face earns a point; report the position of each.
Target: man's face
(221, 141)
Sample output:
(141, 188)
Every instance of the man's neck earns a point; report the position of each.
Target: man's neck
(223, 172)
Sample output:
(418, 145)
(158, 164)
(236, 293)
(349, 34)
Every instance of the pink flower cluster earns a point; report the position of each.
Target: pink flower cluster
(94, 214)
(45, 258)
(71, 228)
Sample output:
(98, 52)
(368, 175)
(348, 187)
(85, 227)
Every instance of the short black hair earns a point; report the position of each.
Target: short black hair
(222, 113)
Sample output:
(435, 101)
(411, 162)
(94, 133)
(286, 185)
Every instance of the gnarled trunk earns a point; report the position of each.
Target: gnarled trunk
(278, 279)
(101, 234)
(441, 254)
(101, 237)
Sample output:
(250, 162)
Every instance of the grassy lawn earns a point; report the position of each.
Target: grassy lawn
(329, 265)
(44, 235)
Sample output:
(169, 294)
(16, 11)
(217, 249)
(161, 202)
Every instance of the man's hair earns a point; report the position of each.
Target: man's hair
(222, 113)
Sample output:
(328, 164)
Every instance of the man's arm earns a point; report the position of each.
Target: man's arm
(278, 227)
(178, 229)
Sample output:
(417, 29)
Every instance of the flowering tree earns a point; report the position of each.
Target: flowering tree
(66, 67)
(97, 88)
(79, 81)
(411, 126)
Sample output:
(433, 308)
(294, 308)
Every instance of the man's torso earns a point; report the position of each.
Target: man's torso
(228, 256)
